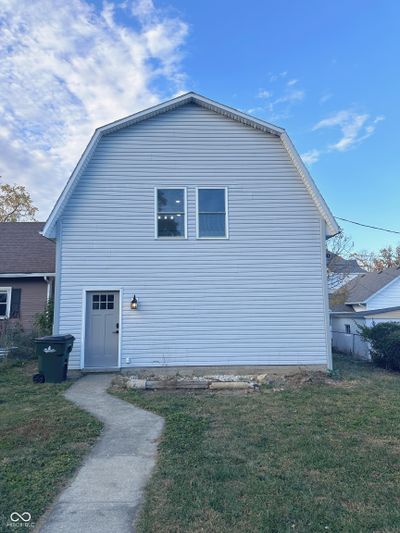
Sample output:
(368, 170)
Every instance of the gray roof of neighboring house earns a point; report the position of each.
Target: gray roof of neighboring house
(339, 265)
(23, 250)
(360, 288)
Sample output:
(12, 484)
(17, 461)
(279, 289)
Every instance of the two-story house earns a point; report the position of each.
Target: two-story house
(192, 234)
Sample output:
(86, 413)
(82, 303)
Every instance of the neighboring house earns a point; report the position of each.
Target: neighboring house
(191, 234)
(341, 270)
(368, 299)
(27, 266)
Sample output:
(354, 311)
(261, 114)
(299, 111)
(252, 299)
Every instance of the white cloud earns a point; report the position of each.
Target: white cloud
(292, 95)
(250, 111)
(338, 119)
(310, 157)
(262, 93)
(278, 103)
(379, 118)
(67, 69)
(325, 97)
(276, 76)
(354, 128)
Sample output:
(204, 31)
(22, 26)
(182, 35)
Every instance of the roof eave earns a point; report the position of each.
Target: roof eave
(26, 274)
(332, 226)
(354, 314)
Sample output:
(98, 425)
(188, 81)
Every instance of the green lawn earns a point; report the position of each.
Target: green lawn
(43, 438)
(315, 458)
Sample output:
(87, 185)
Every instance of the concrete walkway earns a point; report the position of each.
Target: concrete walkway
(107, 491)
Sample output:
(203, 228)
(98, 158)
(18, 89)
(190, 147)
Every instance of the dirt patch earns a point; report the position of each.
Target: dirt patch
(228, 384)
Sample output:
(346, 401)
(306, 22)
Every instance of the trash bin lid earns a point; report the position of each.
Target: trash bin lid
(54, 339)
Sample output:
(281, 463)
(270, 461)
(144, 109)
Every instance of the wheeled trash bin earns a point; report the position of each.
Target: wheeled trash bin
(53, 353)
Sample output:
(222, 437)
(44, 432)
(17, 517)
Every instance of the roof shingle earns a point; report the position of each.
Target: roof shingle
(23, 250)
(359, 289)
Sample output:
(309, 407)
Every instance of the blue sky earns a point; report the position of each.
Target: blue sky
(326, 71)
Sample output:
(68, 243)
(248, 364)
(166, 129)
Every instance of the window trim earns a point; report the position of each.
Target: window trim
(156, 189)
(8, 290)
(226, 236)
(347, 327)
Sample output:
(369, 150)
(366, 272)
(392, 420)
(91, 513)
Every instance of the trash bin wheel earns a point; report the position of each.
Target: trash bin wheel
(38, 378)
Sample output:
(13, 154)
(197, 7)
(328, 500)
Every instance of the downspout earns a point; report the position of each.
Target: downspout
(47, 279)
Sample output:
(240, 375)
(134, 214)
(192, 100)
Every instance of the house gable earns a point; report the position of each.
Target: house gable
(387, 296)
(187, 99)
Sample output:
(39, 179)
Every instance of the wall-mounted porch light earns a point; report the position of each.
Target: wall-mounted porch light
(134, 302)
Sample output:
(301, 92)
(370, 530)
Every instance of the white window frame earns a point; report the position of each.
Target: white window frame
(226, 236)
(156, 189)
(345, 329)
(8, 290)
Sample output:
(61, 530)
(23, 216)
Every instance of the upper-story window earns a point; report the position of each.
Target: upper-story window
(5, 302)
(212, 219)
(171, 213)
(347, 329)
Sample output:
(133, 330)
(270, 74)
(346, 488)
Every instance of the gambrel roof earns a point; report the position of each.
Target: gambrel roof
(191, 97)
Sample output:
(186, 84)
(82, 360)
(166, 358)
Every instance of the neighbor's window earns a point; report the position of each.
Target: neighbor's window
(347, 329)
(171, 213)
(5, 302)
(212, 213)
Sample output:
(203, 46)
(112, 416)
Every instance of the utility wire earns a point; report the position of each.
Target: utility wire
(367, 226)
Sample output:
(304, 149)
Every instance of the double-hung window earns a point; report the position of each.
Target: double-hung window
(171, 213)
(5, 302)
(212, 211)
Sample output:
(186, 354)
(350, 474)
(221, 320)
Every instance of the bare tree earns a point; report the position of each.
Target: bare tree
(387, 257)
(365, 259)
(339, 267)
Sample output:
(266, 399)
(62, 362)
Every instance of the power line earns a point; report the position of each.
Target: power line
(368, 226)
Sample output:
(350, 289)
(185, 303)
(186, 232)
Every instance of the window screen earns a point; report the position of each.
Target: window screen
(212, 213)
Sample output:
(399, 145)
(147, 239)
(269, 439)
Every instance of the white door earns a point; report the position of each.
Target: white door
(102, 329)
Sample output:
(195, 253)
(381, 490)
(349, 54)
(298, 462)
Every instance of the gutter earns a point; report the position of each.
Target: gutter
(27, 274)
(357, 314)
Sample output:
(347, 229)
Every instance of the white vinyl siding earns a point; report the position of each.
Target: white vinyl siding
(389, 296)
(255, 298)
(349, 342)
